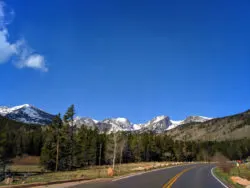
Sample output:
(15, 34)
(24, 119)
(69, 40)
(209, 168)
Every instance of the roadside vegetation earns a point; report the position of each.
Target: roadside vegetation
(225, 178)
(232, 173)
(88, 173)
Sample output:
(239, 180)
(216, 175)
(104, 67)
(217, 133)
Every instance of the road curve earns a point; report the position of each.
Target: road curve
(195, 176)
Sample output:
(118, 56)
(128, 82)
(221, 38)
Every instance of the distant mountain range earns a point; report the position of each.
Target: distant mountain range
(192, 128)
(31, 115)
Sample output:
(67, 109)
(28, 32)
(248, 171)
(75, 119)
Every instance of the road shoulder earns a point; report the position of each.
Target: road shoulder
(212, 172)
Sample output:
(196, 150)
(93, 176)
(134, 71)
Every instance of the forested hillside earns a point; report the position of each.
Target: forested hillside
(18, 138)
(64, 146)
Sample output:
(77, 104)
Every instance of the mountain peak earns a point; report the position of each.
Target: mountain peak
(26, 113)
(159, 118)
(26, 105)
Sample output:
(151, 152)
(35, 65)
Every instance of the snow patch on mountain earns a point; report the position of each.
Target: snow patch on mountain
(196, 119)
(122, 120)
(6, 110)
(174, 124)
(119, 124)
(96, 121)
(137, 127)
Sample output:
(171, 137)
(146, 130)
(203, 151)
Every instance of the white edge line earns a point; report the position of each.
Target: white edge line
(212, 172)
(138, 174)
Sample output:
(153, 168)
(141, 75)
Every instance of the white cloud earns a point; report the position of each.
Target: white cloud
(19, 51)
(35, 61)
(27, 58)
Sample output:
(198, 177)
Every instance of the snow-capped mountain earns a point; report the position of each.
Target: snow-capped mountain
(157, 124)
(85, 121)
(164, 123)
(27, 114)
(119, 124)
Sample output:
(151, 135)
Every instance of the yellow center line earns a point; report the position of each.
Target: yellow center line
(172, 180)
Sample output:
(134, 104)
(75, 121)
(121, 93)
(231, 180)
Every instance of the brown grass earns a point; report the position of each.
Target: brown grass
(26, 160)
(25, 168)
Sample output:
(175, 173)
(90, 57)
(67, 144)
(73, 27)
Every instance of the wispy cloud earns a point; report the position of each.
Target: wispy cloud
(6, 48)
(31, 60)
(27, 58)
(18, 51)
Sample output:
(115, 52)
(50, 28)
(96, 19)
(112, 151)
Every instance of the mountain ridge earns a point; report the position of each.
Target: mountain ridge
(27, 113)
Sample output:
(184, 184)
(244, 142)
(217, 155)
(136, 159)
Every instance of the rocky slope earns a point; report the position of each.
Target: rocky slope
(225, 128)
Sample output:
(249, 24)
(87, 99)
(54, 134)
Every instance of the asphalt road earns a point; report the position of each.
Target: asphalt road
(188, 176)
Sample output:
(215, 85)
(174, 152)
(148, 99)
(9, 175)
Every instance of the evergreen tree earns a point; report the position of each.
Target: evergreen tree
(2, 145)
(136, 147)
(56, 126)
(69, 120)
(69, 115)
(48, 153)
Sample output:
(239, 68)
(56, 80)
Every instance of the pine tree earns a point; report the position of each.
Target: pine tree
(2, 145)
(69, 120)
(86, 151)
(69, 115)
(51, 150)
(136, 147)
(91, 147)
(56, 126)
(48, 153)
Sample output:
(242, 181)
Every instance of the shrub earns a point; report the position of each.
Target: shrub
(223, 163)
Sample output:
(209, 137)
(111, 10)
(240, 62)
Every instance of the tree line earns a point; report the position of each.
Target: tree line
(64, 146)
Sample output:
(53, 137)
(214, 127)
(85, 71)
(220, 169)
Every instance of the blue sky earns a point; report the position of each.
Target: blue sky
(132, 58)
